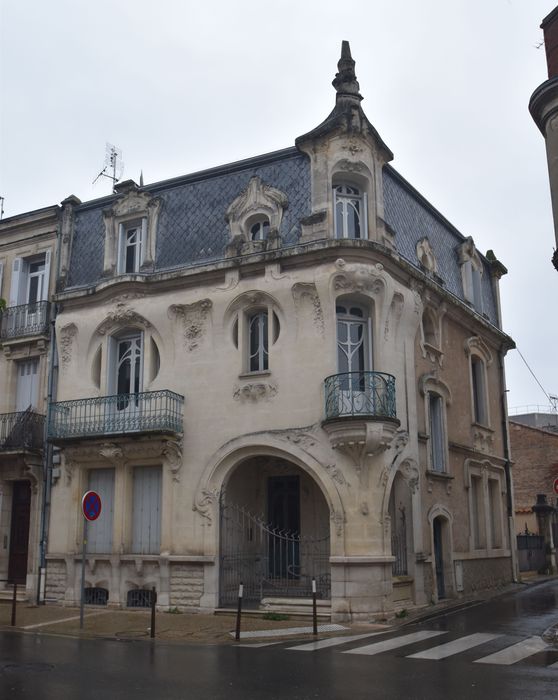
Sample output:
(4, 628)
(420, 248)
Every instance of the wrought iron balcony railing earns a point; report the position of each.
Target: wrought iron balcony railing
(23, 430)
(145, 412)
(27, 319)
(360, 394)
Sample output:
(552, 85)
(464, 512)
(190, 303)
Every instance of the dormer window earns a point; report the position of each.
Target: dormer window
(259, 231)
(131, 247)
(471, 273)
(350, 212)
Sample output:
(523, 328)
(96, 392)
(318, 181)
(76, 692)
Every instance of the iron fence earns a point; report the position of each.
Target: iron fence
(148, 411)
(269, 561)
(23, 320)
(360, 394)
(21, 430)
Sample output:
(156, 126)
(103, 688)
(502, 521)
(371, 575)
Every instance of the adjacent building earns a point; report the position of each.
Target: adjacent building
(27, 276)
(277, 370)
(543, 106)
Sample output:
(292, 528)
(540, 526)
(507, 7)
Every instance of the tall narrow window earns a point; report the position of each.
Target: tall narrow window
(27, 392)
(495, 506)
(477, 509)
(126, 370)
(353, 353)
(258, 342)
(146, 510)
(480, 413)
(131, 247)
(350, 214)
(437, 433)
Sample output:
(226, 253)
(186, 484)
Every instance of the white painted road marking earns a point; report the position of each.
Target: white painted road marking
(450, 648)
(333, 641)
(395, 643)
(515, 653)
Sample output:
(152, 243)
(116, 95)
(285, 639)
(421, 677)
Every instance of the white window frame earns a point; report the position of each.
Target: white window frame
(350, 196)
(124, 229)
(20, 280)
(27, 390)
(259, 229)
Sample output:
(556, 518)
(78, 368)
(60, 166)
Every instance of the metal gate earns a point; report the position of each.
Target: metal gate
(268, 561)
(531, 552)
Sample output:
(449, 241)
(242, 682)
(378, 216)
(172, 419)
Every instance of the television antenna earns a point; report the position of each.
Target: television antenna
(114, 167)
(1, 208)
(553, 403)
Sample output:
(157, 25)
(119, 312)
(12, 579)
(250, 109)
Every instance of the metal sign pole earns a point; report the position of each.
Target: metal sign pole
(83, 551)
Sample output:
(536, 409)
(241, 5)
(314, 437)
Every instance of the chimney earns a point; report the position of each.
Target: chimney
(550, 28)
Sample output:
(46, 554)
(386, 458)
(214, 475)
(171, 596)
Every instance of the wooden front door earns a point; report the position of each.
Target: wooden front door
(19, 532)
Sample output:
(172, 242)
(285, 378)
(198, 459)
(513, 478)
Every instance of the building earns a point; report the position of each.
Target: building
(27, 259)
(543, 106)
(534, 444)
(284, 368)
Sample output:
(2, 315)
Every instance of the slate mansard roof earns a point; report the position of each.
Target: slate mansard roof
(192, 229)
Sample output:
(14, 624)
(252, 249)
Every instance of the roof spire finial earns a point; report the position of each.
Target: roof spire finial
(345, 81)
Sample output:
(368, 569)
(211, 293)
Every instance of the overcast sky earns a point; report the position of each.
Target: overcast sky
(181, 85)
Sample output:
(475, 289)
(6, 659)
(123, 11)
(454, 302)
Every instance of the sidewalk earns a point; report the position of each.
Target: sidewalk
(212, 629)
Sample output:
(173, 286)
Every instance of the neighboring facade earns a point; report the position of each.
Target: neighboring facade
(286, 367)
(27, 259)
(535, 457)
(543, 106)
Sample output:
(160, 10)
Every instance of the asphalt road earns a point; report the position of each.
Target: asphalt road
(493, 650)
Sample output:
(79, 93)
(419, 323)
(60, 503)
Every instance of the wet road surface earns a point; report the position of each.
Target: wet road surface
(493, 650)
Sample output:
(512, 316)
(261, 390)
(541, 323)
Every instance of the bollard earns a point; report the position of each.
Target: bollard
(314, 608)
(153, 604)
(14, 604)
(239, 611)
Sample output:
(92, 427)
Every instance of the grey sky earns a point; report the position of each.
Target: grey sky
(182, 86)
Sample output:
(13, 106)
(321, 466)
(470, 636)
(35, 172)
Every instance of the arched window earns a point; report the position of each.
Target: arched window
(438, 442)
(350, 212)
(353, 338)
(258, 360)
(259, 231)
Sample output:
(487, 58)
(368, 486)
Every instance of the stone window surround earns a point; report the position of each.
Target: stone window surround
(133, 206)
(476, 349)
(485, 471)
(471, 274)
(431, 384)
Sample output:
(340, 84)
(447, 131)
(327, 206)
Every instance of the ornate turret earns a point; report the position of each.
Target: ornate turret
(347, 116)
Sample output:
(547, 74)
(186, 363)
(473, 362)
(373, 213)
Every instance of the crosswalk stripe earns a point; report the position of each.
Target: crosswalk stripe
(255, 645)
(515, 653)
(555, 665)
(394, 643)
(333, 642)
(450, 648)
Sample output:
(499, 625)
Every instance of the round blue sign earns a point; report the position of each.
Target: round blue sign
(91, 505)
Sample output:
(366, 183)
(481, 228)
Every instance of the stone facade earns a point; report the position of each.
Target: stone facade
(281, 369)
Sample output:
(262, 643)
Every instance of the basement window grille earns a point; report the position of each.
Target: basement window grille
(139, 598)
(95, 596)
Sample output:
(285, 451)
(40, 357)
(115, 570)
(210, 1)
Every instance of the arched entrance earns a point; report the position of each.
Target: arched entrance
(274, 533)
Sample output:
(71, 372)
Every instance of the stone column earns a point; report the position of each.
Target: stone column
(543, 510)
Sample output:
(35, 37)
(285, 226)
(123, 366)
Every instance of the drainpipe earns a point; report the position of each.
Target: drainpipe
(48, 447)
(507, 465)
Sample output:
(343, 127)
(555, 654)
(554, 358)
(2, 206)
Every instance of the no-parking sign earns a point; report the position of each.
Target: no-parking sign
(91, 505)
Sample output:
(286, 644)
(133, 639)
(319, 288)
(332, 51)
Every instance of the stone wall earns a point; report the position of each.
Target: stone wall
(186, 586)
(55, 588)
(486, 574)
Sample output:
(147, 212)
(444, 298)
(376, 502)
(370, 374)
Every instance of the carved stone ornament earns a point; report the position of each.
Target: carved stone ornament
(204, 503)
(425, 255)
(398, 444)
(410, 472)
(254, 391)
(338, 520)
(257, 199)
(121, 317)
(66, 339)
(304, 438)
(112, 453)
(336, 474)
(195, 318)
(483, 439)
(358, 277)
(172, 451)
(350, 166)
(305, 296)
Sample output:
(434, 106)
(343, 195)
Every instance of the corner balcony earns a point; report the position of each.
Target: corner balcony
(360, 414)
(120, 414)
(23, 430)
(24, 320)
